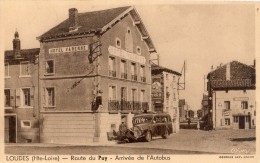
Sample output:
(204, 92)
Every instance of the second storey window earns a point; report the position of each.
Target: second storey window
(50, 96)
(7, 70)
(226, 105)
(123, 68)
(133, 72)
(25, 97)
(142, 96)
(7, 98)
(24, 69)
(111, 66)
(244, 104)
(49, 67)
(112, 93)
(142, 74)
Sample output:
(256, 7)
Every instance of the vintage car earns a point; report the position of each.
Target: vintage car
(148, 125)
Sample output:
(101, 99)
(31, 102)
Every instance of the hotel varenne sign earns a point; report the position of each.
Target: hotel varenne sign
(126, 55)
(68, 49)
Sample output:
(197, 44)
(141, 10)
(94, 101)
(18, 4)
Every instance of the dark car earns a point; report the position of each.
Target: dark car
(149, 125)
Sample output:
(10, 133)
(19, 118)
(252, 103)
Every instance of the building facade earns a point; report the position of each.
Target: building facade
(165, 95)
(232, 96)
(94, 73)
(21, 94)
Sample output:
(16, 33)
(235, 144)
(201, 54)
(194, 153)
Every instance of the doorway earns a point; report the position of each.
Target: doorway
(10, 129)
(241, 122)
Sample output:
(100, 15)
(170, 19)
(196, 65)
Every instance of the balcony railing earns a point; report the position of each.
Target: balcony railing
(134, 77)
(116, 106)
(143, 79)
(112, 73)
(124, 75)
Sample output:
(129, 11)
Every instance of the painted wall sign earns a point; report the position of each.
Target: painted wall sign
(241, 98)
(226, 112)
(68, 49)
(126, 55)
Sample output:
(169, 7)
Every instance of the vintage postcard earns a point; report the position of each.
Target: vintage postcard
(154, 81)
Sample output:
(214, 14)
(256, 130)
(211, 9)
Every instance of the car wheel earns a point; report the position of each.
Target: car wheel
(166, 134)
(148, 136)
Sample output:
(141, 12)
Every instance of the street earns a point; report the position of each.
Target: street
(185, 142)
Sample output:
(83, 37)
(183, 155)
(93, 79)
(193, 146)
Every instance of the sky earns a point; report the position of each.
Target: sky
(202, 35)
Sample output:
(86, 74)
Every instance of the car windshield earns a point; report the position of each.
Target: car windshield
(140, 120)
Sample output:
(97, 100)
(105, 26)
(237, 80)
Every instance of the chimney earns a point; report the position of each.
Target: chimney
(73, 19)
(16, 45)
(254, 63)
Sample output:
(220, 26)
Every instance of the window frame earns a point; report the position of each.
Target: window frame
(113, 99)
(110, 71)
(7, 107)
(137, 51)
(46, 100)
(228, 102)
(118, 46)
(8, 70)
(46, 73)
(24, 126)
(227, 120)
(244, 106)
(22, 75)
(22, 98)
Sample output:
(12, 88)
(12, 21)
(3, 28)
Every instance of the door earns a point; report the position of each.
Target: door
(10, 129)
(241, 122)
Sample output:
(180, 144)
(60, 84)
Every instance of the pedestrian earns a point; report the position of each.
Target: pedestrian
(198, 125)
(189, 123)
(122, 128)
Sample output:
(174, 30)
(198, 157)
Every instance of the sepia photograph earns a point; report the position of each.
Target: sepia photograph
(88, 80)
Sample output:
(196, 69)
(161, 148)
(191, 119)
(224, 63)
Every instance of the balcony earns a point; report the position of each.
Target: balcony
(112, 73)
(134, 77)
(124, 75)
(127, 106)
(143, 79)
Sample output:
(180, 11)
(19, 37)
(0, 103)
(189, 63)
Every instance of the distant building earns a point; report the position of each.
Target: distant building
(232, 102)
(182, 110)
(165, 96)
(21, 112)
(94, 74)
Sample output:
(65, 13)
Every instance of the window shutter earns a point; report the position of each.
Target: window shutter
(12, 98)
(17, 97)
(32, 96)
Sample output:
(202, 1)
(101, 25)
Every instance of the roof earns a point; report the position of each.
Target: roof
(98, 22)
(241, 76)
(158, 69)
(25, 53)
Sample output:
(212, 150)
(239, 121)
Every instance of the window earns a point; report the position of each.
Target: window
(7, 98)
(227, 105)
(24, 69)
(133, 94)
(111, 68)
(50, 96)
(25, 98)
(123, 68)
(118, 43)
(133, 72)
(138, 50)
(235, 119)
(7, 70)
(142, 96)
(26, 124)
(166, 76)
(112, 93)
(244, 104)
(49, 67)
(227, 121)
(142, 73)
